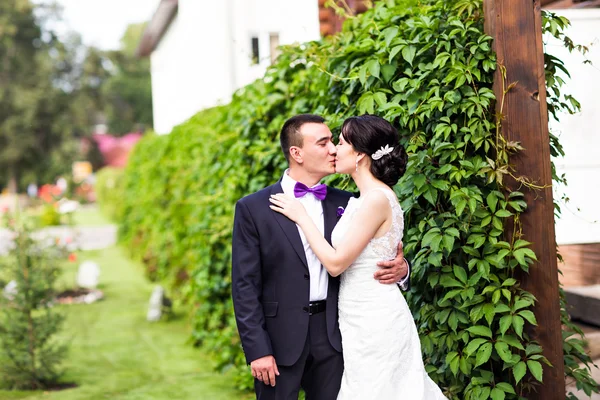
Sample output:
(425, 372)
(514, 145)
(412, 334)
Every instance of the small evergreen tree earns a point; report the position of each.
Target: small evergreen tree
(29, 353)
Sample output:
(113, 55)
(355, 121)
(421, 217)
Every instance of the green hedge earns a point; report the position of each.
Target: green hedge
(428, 68)
(109, 191)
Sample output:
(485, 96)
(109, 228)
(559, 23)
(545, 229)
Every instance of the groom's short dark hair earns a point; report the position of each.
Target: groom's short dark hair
(290, 132)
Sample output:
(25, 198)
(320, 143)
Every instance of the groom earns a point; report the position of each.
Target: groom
(285, 302)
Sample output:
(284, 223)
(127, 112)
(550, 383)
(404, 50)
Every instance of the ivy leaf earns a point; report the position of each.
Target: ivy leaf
(444, 170)
(532, 349)
(503, 213)
(460, 207)
(501, 308)
(366, 103)
(480, 330)
(448, 242)
(430, 236)
(380, 98)
(389, 34)
(452, 231)
(430, 195)
(519, 371)
(362, 74)
(387, 71)
(453, 359)
(460, 273)
(448, 281)
(483, 354)
(374, 68)
(512, 341)
(485, 392)
(529, 316)
(517, 323)
(474, 345)
(505, 323)
(497, 394)
(492, 200)
(509, 282)
(419, 180)
(505, 387)
(408, 53)
(435, 259)
(465, 366)
(489, 311)
(521, 243)
(395, 51)
(503, 351)
(522, 253)
(453, 321)
(536, 369)
(521, 303)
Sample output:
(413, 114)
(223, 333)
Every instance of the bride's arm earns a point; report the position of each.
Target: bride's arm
(365, 223)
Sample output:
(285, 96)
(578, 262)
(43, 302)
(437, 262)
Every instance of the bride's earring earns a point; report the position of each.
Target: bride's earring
(357, 164)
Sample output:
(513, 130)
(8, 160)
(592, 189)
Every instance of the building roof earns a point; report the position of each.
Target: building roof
(158, 25)
(558, 4)
(330, 22)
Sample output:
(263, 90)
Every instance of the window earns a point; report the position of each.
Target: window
(255, 53)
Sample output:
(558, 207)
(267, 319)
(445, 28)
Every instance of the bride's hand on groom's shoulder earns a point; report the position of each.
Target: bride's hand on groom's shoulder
(288, 206)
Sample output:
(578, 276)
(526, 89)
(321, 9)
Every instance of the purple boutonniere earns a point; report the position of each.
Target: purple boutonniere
(340, 211)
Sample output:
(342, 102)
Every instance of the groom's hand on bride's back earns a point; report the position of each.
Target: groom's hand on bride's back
(392, 271)
(265, 369)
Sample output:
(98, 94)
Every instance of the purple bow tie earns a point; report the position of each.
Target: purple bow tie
(319, 191)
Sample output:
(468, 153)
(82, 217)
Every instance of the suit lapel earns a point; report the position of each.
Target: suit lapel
(329, 214)
(289, 228)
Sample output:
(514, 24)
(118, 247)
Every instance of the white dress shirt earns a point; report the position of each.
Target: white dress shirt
(319, 278)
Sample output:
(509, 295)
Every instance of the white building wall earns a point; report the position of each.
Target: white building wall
(293, 21)
(191, 66)
(580, 134)
(206, 53)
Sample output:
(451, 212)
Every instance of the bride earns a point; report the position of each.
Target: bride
(381, 347)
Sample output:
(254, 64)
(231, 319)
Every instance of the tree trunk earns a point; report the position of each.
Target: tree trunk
(12, 180)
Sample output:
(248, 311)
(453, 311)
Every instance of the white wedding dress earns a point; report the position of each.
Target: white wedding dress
(380, 342)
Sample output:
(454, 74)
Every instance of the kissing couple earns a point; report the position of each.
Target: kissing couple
(317, 272)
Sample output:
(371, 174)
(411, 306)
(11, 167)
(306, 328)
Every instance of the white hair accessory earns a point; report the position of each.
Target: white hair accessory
(382, 152)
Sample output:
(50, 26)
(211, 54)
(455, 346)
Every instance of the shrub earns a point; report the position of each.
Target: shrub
(30, 355)
(49, 215)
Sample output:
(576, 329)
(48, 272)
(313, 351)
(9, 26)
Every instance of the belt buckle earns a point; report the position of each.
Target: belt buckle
(314, 308)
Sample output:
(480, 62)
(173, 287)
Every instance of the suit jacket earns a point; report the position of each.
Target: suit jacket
(270, 280)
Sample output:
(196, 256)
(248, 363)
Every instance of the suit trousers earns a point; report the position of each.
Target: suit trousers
(318, 370)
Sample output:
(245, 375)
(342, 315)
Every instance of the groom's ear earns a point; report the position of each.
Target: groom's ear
(296, 154)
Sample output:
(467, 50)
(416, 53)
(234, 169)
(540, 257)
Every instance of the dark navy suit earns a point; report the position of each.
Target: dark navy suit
(271, 286)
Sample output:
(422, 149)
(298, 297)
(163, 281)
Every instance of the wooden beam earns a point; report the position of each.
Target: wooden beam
(515, 26)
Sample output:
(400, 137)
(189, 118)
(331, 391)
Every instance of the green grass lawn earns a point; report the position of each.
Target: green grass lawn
(116, 354)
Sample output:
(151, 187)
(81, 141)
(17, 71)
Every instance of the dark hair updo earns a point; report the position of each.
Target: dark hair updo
(369, 133)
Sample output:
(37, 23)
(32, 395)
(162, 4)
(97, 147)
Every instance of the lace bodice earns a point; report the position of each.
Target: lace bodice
(381, 248)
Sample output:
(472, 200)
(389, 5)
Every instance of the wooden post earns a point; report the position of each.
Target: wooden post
(515, 26)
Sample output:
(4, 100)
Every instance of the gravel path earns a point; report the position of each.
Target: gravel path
(84, 238)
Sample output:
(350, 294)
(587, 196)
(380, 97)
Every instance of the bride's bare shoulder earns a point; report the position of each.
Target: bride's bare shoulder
(376, 199)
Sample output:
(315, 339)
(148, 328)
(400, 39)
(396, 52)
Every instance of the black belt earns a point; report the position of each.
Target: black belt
(316, 307)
